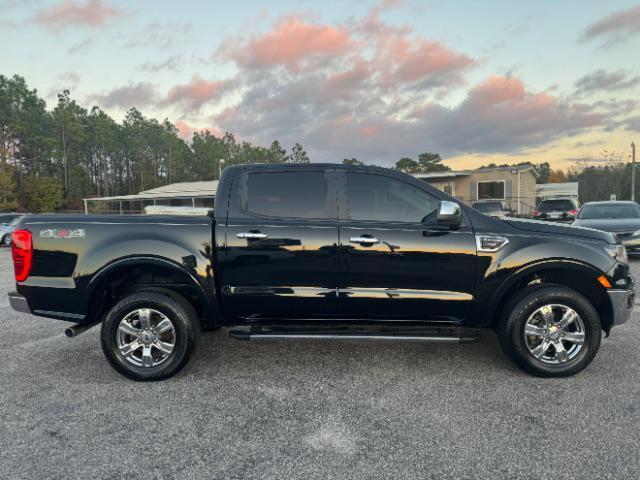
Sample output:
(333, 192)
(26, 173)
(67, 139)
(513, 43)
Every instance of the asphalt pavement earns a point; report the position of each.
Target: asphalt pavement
(311, 410)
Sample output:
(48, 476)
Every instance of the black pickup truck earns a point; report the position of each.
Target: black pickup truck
(324, 251)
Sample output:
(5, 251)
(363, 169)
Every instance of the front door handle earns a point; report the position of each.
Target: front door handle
(364, 240)
(252, 235)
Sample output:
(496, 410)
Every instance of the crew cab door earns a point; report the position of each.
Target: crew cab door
(396, 261)
(281, 245)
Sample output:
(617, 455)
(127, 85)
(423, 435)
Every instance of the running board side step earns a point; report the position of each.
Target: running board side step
(414, 336)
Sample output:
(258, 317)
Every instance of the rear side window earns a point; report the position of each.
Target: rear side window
(487, 206)
(287, 194)
(383, 199)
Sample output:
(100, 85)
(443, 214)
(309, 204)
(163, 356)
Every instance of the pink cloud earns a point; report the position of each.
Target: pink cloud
(419, 59)
(369, 131)
(497, 89)
(92, 13)
(290, 43)
(185, 131)
(194, 94)
(365, 53)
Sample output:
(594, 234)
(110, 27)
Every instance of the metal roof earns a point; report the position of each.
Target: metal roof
(443, 174)
(466, 173)
(174, 190)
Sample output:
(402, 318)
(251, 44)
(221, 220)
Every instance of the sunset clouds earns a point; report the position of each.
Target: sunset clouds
(376, 80)
(291, 43)
(68, 13)
(371, 89)
(194, 94)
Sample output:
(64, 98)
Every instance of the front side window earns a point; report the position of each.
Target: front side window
(383, 199)
(491, 190)
(287, 194)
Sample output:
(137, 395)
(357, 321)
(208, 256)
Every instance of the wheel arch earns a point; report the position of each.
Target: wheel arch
(578, 276)
(147, 272)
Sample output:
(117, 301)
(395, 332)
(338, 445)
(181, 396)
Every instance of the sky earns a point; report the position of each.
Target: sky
(477, 82)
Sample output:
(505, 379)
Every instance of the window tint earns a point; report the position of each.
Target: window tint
(384, 199)
(487, 206)
(556, 205)
(287, 194)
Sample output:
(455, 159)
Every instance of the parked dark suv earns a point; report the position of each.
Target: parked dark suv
(557, 210)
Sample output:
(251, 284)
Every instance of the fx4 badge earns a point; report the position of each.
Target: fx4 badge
(62, 233)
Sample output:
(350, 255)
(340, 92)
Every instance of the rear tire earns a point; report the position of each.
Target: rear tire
(550, 331)
(6, 241)
(149, 336)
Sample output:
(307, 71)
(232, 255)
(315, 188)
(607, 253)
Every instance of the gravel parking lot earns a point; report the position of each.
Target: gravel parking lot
(311, 410)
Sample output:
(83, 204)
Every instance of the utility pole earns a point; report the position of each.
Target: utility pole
(633, 172)
(220, 163)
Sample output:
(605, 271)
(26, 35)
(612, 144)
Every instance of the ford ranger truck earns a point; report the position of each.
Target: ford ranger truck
(323, 252)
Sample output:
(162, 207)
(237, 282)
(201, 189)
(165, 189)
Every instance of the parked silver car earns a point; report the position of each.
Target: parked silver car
(7, 225)
(618, 217)
(493, 208)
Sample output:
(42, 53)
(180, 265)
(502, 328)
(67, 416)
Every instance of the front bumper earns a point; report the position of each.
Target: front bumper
(18, 302)
(622, 303)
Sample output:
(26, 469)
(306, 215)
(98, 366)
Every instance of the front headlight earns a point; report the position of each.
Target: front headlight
(636, 233)
(618, 253)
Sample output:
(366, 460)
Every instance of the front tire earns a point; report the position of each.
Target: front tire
(550, 331)
(148, 336)
(6, 241)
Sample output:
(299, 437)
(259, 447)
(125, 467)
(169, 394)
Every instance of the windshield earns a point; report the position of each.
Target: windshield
(611, 210)
(487, 206)
(556, 206)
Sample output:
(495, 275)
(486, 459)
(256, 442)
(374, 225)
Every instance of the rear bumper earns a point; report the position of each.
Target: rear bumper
(18, 302)
(622, 303)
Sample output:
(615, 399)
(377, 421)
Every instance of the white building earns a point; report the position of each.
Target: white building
(185, 194)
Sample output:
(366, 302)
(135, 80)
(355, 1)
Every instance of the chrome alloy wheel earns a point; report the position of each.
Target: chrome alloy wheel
(554, 334)
(146, 338)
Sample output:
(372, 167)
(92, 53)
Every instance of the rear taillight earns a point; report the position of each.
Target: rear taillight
(573, 212)
(22, 252)
(536, 213)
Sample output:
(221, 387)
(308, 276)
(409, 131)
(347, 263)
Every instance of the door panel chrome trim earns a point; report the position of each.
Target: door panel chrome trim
(284, 291)
(402, 293)
(396, 293)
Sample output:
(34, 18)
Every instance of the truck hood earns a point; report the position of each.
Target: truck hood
(560, 229)
(610, 224)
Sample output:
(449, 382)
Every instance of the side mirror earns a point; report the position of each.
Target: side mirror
(449, 213)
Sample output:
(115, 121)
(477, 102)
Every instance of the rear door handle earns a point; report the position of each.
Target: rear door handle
(252, 235)
(364, 240)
